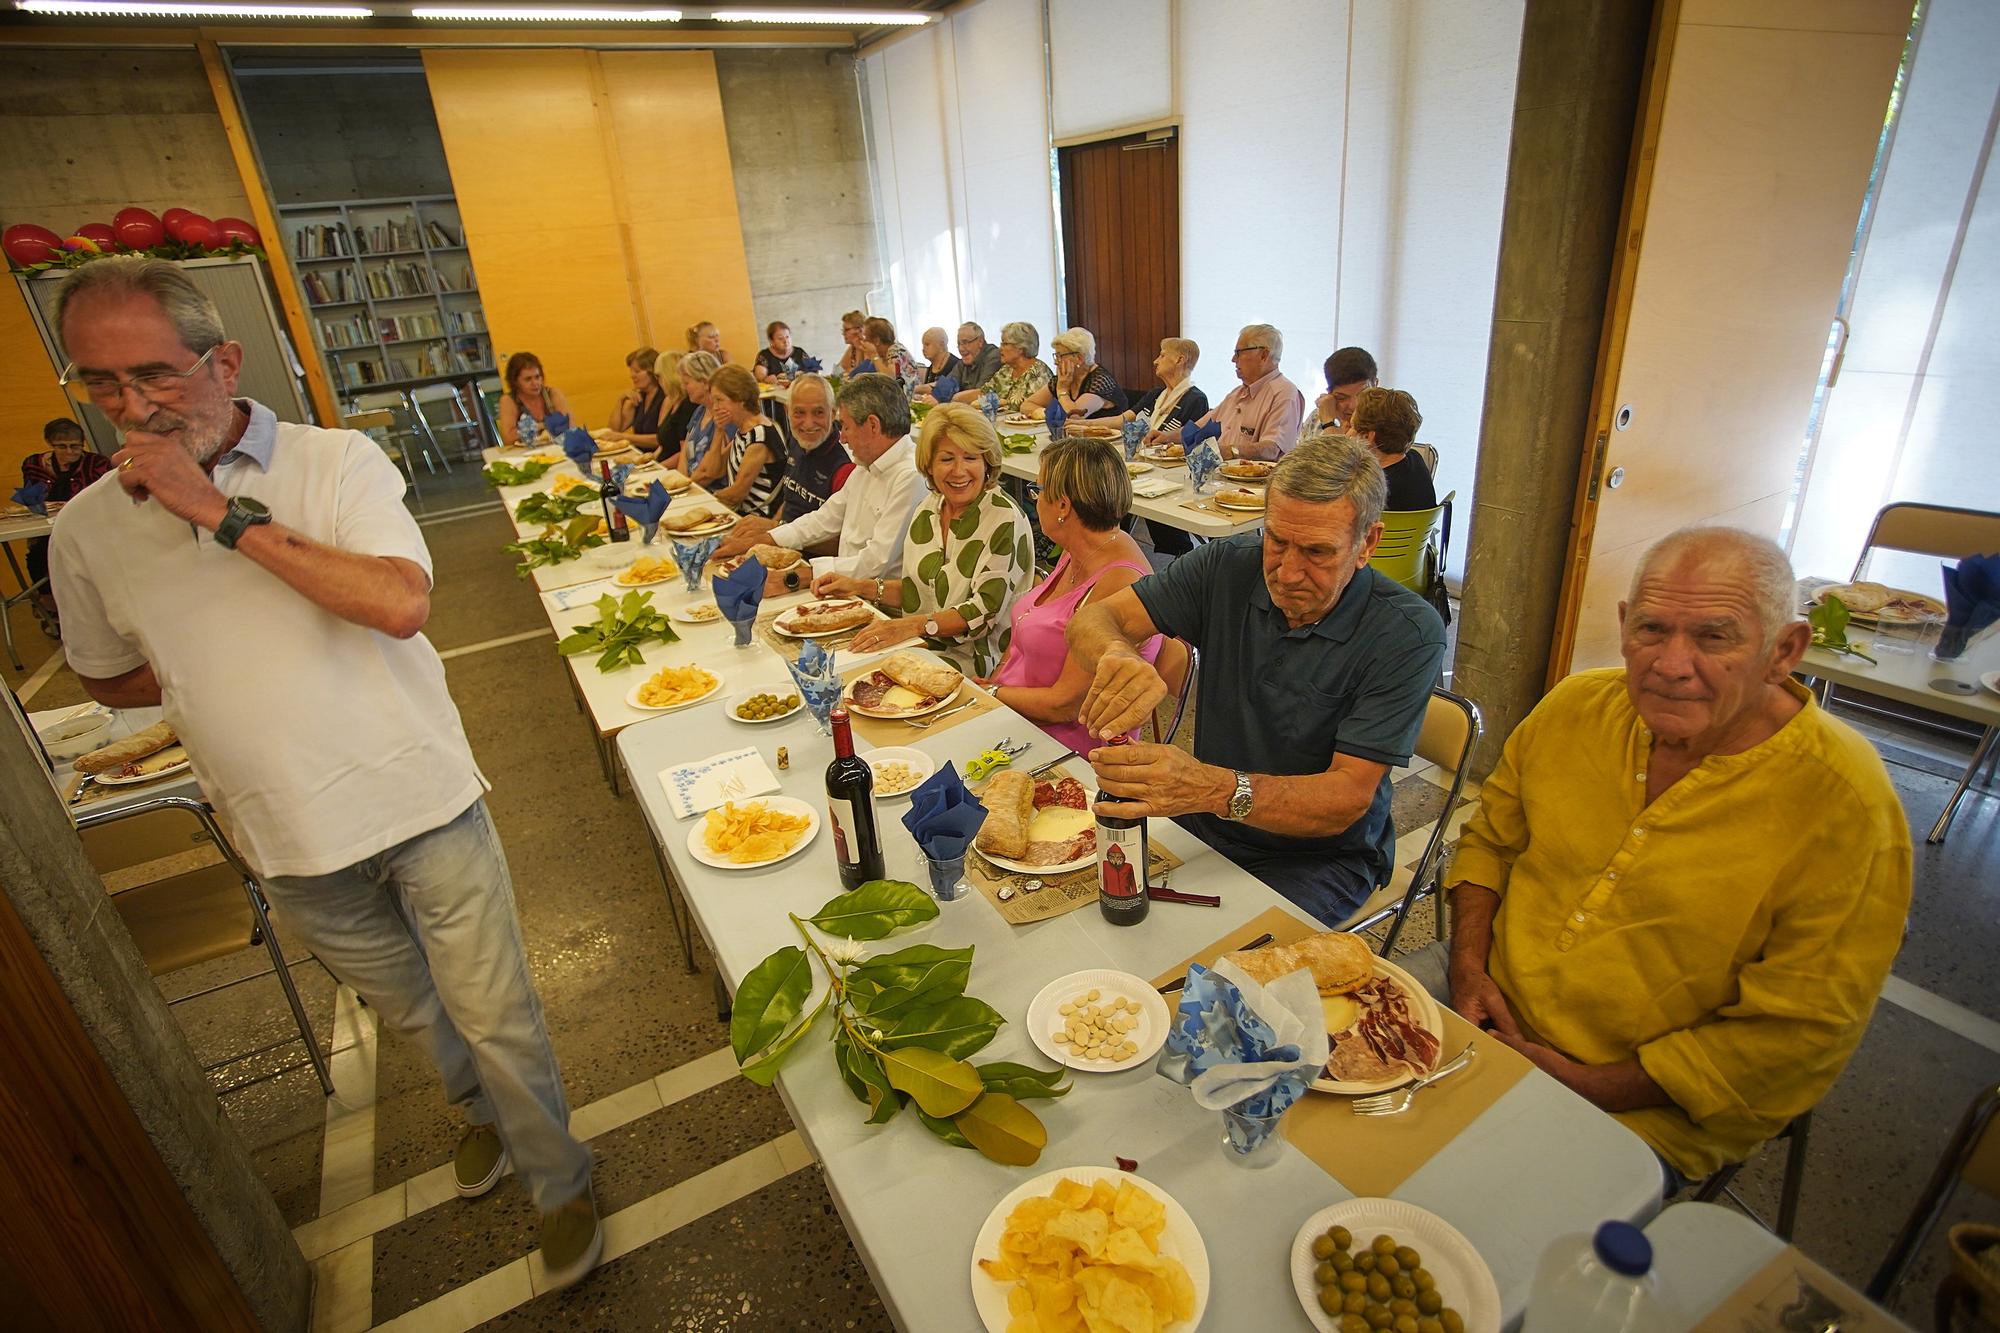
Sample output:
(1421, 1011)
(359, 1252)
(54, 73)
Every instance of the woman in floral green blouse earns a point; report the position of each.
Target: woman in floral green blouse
(969, 554)
(1024, 382)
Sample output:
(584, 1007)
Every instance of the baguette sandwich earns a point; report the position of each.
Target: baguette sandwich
(827, 617)
(110, 758)
(1340, 963)
(1010, 807)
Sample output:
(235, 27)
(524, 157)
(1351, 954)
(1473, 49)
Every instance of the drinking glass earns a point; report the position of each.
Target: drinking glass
(1250, 1138)
(743, 628)
(946, 875)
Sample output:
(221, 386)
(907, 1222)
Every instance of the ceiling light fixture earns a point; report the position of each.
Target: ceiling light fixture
(146, 9)
(860, 18)
(544, 14)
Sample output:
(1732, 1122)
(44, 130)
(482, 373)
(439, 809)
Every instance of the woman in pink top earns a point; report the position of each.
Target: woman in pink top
(1085, 494)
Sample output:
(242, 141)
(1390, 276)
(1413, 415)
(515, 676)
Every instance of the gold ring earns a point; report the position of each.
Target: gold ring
(126, 466)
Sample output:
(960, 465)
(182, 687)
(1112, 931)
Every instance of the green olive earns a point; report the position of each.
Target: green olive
(1428, 1324)
(1343, 1261)
(1386, 1265)
(1326, 1275)
(1408, 1257)
(1323, 1247)
(1355, 1302)
(1453, 1321)
(1364, 1262)
(1378, 1287)
(1353, 1282)
(1384, 1244)
(1403, 1285)
(1405, 1323)
(1429, 1302)
(1425, 1282)
(1378, 1316)
(1400, 1306)
(1329, 1299)
(1342, 1238)
(1353, 1323)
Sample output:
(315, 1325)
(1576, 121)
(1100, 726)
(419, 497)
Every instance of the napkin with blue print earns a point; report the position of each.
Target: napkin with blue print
(1202, 462)
(646, 510)
(1241, 1046)
(35, 496)
(818, 681)
(944, 387)
(1971, 602)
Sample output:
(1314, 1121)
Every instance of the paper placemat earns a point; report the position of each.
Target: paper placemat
(1155, 485)
(788, 647)
(1373, 1155)
(1206, 505)
(893, 731)
(1059, 894)
(1794, 1292)
(703, 785)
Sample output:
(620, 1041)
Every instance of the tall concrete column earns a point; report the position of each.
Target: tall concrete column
(126, 1199)
(1575, 103)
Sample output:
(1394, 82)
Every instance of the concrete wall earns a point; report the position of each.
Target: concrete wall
(345, 136)
(800, 161)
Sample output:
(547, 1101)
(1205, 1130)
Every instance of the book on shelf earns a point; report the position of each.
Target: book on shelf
(399, 279)
(321, 241)
(344, 332)
(440, 235)
(464, 321)
(354, 374)
(328, 286)
(403, 328)
(387, 236)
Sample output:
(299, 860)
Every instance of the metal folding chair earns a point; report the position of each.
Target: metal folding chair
(1971, 1154)
(1178, 664)
(379, 425)
(1797, 1132)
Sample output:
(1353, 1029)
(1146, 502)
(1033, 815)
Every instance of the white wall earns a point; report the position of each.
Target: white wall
(1911, 417)
(1343, 164)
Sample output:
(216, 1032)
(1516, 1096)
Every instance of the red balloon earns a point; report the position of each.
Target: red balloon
(137, 229)
(236, 229)
(200, 231)
(184, 227)
(172, 216)
(25, 244)
(100, 232)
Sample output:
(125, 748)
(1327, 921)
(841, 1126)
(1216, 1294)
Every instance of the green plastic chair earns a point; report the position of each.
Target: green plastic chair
(1412, 547)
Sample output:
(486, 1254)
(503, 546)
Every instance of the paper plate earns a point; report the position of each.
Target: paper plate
(778, 622)
(1463, 1279)
(780, 690)
(1181, 1240)
(1163, 460)
(697, 613)
(783, 805)
(722, 524)
(1045, 1017)
(1422, 1007)
(1221, 503)
(1261, 479)
(115, 780)
(921, 763)
(847, 700)
(620, 580)
(1138, 468)
(1991, 680)
(632, 695)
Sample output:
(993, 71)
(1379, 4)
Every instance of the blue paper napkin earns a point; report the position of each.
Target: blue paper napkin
(582, 450)
(1245, 1048)
(35, 495)
(693, 556)
(944, 387)
(1056, 418)
(989, 403)
(557, 424)
(1193, 432)
(943, 816)
(1971, 601)
(817, 679)
(809, 365)
(865, 366)
(645, 510)
(741, 591)
(1202, 462)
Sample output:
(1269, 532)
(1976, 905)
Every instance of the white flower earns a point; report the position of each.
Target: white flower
(846, 951)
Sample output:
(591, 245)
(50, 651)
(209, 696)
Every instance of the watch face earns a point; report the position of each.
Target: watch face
(256, 507)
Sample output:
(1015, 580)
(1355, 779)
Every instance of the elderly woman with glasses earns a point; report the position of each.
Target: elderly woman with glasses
(1084, 388)
(968, 555)
(1023, 381)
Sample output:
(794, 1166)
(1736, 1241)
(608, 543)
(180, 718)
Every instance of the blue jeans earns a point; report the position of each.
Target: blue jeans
(426, 933)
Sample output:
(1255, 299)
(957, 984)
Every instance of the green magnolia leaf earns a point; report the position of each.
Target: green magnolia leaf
(945, 1129)
(957, 1028)
(875, 909)
(584, 525)
(763, 1069)
(843, 1046)
(1022, 1082)
(862, 1071)
(936, 1082)
(1829, 621)
(924, 971)
(1003, 1129)
(768, 1000)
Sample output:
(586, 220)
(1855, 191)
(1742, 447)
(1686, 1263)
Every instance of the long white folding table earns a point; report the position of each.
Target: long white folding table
(1540, 1162)
(22, 527)
(1169, 509)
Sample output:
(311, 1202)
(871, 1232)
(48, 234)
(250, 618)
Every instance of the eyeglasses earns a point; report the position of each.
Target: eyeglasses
(152, 386)
(1243, 351)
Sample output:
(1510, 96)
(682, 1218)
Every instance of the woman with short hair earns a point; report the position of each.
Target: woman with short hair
(1388, 420)
(1083, 499)
(882, 354)
(1177, 401)
(529, 401)
(636, 419)
(781, 358)
(695, 370)
(1022, 381)
(757, 453)
(1083, 388)
(850, 334)
(969, 553)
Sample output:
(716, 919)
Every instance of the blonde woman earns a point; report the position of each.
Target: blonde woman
(969, 553)
(851, 355)
(757, 451)
(705, 337)
(695, 370)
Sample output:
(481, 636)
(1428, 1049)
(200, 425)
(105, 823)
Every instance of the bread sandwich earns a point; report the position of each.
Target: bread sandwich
(1009, 799)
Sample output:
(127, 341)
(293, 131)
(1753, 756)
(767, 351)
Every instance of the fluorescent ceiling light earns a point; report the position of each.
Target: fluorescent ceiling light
(147, 9)
(861, 18)
(545, 14)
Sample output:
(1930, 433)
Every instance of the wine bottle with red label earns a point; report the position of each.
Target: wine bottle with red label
(1121, 860)
(614, 517)
(850, 806)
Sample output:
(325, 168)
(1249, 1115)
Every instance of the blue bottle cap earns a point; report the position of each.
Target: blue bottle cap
(1623, 1248)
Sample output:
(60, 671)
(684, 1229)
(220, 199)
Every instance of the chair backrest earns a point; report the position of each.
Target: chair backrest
(1972, 1155)
(1429, 453)
(1407, 552)
(1927, 529)
(1177, 664)
(1451, 728)
(374, 420)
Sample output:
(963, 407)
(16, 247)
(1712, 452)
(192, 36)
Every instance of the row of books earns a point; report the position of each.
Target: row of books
(401, 327)
(328, 240)
(325, 286)
(405, 279)
(345, 332)
(427, 360)
(464, 321)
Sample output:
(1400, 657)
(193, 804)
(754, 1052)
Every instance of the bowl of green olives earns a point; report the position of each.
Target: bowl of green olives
(1385, 1266)
(760, 706)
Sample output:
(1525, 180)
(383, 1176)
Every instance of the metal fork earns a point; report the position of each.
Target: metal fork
(1397, 1101)
(925, 723)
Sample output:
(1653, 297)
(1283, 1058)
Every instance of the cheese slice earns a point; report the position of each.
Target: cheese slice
(1341, 1013)
(1059, 823)
(901, 696)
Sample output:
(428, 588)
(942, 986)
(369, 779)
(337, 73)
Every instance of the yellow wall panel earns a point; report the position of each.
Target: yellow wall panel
(28, 396)
(606, 219)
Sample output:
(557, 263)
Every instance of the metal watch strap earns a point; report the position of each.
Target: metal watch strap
(1239, 802)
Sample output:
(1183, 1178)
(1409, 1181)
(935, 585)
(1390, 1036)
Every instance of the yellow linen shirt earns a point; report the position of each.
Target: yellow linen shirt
(1733, 935)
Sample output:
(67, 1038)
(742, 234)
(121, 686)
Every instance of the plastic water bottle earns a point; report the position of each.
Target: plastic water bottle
(1598, 1284)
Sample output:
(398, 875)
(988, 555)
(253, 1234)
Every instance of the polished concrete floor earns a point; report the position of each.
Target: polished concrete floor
(716, 1215)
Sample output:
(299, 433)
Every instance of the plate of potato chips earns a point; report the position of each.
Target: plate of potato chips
(1089, 1247)
(673, 687)
(756, 833)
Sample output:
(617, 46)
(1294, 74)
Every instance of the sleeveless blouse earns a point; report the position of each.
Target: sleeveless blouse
(1039, 649)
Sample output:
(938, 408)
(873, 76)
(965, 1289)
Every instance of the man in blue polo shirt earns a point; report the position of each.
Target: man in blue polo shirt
(1315, 673)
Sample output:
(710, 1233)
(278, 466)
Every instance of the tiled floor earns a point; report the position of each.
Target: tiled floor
(715, 1217)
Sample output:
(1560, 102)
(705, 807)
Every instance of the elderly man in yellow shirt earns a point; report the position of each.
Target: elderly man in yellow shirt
(1685, 882)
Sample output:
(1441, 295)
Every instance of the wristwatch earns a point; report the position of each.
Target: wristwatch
(1239, 803)
(931, 628)
(244, 513)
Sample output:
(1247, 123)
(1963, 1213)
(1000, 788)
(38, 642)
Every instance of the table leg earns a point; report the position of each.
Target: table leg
(722, 1002)
(676, 906)
(423, 428)
(1979, 757)
(8, 604)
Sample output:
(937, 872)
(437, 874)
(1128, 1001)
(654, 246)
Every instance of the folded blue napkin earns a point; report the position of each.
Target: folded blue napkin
(809, 365)
(1202, 462)
(527, 429)
(865, 366)
(1134, 433)
(557, 424)
(741, 591)
(35, 495)
(1193, 432)
(1248, 1049)
(693, 556)
(818, 681)
(1056, 418)
(944, 387)
(582, 450)
(619, 472)
(1971, 601)
(989, 403)
(943, 816)
(645, 510)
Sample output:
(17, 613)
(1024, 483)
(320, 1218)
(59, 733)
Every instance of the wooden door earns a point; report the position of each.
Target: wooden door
(1121, 217)
(1760, 128)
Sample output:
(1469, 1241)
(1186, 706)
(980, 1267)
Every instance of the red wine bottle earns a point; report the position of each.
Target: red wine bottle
(850, 804)
(1122, 855)
(614, 517)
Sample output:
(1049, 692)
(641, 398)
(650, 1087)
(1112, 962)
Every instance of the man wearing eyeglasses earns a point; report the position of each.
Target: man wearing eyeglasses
(978, 360)
(262, 583)
(1260, 416)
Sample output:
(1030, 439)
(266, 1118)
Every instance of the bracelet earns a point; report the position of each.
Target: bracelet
(878, 591)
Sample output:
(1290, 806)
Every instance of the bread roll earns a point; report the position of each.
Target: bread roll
(925, 677)
(1339, 962)
(774, 558)
(112, 757)
(1010, 807)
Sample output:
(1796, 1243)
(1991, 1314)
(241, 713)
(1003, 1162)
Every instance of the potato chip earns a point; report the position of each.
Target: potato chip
(1086, 1259)
(647, 569)
(747, 834)
(676, 685)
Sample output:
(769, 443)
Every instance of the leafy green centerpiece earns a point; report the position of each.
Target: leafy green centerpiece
(1829, 622)
(622, 625)
(502, 473)
(901, 1029)
(547, 509)
(1020, 442)
(556, 544)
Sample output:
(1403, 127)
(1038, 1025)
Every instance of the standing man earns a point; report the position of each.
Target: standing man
(263, 584)
(1315, 675)
(1259, 417)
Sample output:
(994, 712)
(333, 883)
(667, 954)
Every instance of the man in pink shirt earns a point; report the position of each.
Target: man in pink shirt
(1260, 417)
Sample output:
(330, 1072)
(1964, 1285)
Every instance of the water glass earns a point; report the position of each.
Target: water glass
(743, 628)
(1250, 1138)
(946, 875)
(821, 697)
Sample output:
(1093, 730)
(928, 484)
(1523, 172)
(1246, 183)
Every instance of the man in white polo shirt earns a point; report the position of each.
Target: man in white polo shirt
(264, 585)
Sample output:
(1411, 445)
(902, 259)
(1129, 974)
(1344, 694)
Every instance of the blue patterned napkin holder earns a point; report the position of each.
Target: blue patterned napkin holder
(944, 387)
(693, 558)
(1202, 463)
(646, 510)
(989, 403)
(35, 496)
(818, 682)
(1134, 434)
(527, 430)
(1245, 1048)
